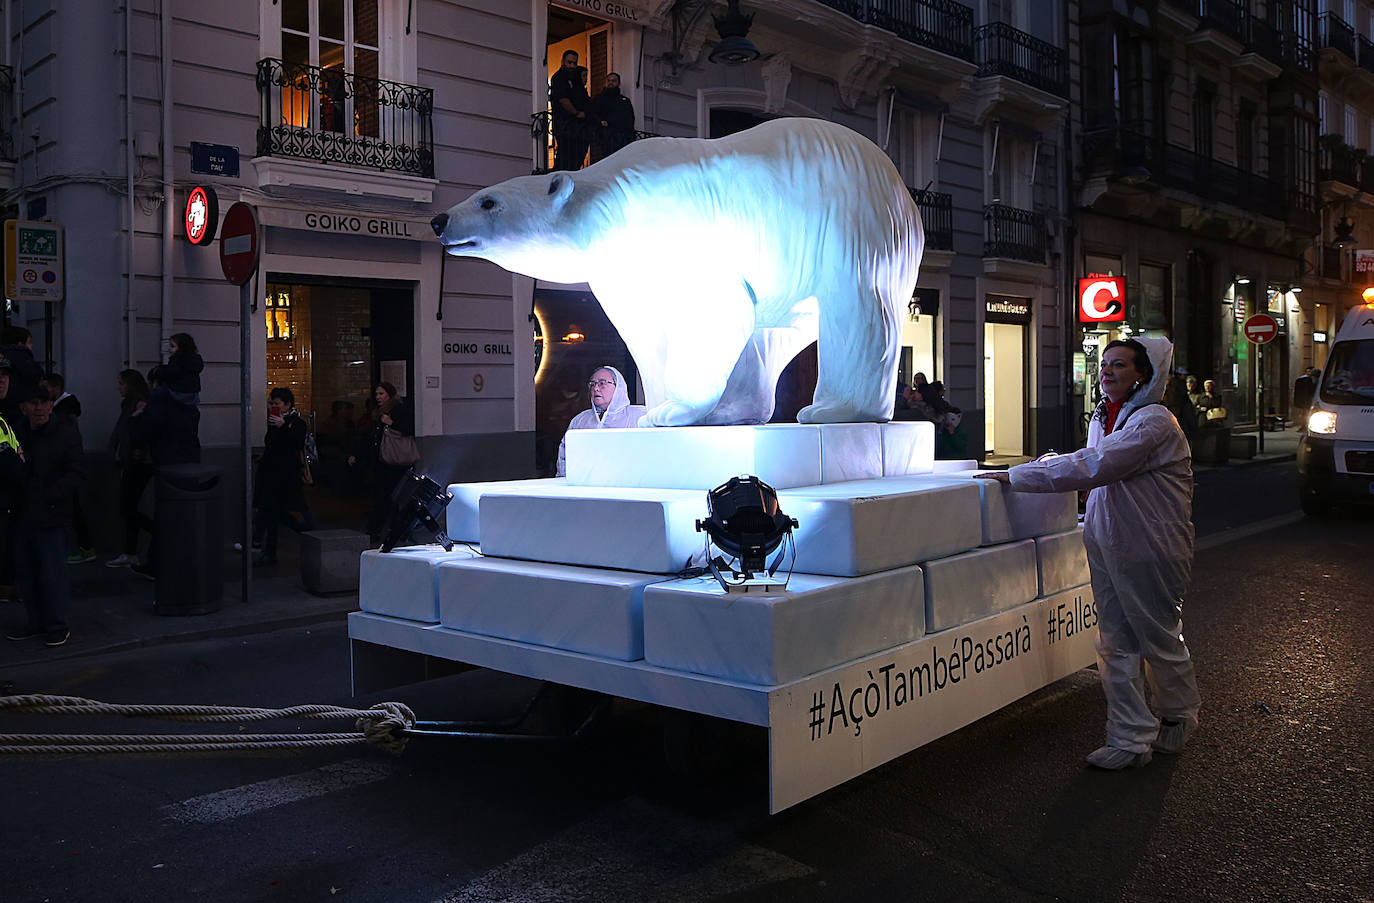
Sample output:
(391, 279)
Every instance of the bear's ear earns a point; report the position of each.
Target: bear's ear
(560, 189)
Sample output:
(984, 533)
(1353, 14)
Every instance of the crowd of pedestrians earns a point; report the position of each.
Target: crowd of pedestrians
(925, 400)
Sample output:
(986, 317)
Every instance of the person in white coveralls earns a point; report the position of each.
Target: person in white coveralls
(1139, 535)
(610, 408)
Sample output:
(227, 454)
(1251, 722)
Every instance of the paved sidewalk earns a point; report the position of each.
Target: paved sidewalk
(1278, 446)
(112, 608)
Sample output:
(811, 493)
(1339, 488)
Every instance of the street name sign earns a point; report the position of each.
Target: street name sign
(238, 244)
(1261, 328)
(34, 265)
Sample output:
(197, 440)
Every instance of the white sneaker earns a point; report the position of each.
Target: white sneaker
(1173, 734)
(121, 561)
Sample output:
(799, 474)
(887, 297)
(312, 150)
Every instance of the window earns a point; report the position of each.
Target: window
(278, 310)
(1245, 136)
(1204, 117)
(1013, 167)
(1352, 133)
(913, 144)
(1323, 121)
(339, 38)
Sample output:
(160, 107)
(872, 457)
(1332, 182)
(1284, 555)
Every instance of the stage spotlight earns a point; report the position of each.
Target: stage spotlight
(743, 521)
(416, 501)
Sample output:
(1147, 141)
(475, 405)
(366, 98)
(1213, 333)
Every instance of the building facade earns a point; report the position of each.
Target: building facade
(348, 124)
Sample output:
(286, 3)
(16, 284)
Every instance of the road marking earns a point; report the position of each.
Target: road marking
(632, 850)
(1222, 537)
(224, 805)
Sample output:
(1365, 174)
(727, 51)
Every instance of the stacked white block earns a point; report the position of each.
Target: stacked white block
(596, 612)
(1062, 560)
(784, 455)
(648, 530)
(862, 527)
(462, 524)
(403, 583)
(973, 585)
(772, 638)
(1009, 515)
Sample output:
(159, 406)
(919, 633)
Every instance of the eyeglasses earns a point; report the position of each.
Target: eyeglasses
(600, 382)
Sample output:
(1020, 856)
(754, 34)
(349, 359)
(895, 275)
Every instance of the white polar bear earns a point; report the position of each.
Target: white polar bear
(718, 260)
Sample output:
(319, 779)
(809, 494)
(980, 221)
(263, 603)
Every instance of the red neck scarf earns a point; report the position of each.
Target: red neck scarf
(1113, 409)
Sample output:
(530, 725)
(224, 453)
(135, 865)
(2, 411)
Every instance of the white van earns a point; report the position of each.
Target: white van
(1336, 457)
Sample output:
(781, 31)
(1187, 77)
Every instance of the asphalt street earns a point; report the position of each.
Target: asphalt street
(1271, 800)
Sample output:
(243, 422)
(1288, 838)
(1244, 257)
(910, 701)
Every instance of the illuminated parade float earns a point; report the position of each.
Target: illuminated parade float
(909, 600)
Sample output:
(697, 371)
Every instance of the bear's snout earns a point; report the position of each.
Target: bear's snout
(438, 224)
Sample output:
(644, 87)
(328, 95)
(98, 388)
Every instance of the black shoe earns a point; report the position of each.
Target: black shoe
(57, 637)
(264, 561)
(25, 633)
(143, 571)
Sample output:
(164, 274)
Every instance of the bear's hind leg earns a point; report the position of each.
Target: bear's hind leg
(856, 379)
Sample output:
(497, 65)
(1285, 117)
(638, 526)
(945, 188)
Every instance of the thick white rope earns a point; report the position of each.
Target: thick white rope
(385, 724)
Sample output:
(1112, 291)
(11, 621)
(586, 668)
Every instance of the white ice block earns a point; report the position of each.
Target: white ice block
(908, 447)
(649, 530)
(462, 521)
(695, 457)
(403, 582)
(973, 585)
(584, 610)
(850, 451)
(1063, 561)
(865, 526)
(773, 638)
(1009, 515)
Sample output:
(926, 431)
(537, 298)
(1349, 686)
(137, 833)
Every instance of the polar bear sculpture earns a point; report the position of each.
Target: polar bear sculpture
(718, 260)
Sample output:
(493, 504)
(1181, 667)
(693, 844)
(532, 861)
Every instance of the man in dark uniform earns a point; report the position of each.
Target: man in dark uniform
(615, 118)
(568, 96)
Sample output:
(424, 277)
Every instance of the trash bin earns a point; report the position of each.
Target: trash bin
(190, 540)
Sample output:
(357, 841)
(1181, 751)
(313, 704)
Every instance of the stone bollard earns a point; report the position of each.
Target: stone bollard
(329, 560)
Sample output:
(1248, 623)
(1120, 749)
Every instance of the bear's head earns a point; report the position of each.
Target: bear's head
(522, 224)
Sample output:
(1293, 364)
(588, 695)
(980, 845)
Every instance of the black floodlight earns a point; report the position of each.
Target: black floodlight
(416, 501)
(743, 521)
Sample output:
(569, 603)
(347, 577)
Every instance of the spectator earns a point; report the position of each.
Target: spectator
(53, 469)
(615, 117)
(66, 403)
(278, 490)
(1176, 401)
(171, 431)
(568, 97)
(610, 408)
(135, 465)
(1195, 394)
(1211, 412)
(16, 346)
(181, 374)
(392, 414)
(10, 419)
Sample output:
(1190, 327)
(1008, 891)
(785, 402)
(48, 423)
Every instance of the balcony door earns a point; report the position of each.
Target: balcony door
(331, 49)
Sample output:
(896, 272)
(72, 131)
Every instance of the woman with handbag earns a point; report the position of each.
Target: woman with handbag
(394, 452)
(1209, 406)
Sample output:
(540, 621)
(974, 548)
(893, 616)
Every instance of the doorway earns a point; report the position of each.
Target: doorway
(1004, 389)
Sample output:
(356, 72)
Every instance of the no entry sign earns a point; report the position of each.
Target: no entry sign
(238, 244)
(1261, 328)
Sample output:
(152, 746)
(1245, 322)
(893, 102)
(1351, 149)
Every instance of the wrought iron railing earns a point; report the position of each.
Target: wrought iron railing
(541, 130)
(937, 217)
(1003, 50)
(1226, 16)
(1337, 34)
(1216, 181)
(334, 116)
(1338, 161)
(1014, 233)
(1263, 38)
(1366, 52)
(941, 25)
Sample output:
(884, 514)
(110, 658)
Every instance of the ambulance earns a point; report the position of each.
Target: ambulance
(1336, 456)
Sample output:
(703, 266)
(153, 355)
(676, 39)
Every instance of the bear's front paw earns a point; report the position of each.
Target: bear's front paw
(815, 413)
(671, 413)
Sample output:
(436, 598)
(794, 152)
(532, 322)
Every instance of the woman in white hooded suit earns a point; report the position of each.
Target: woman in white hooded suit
(610, 409)
(1139, 535)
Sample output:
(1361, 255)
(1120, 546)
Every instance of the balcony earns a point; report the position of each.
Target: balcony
(1335, 34)
(1339, 164)
(336, 117)
(1003, 50)
(1366, 56)
(1264, 39)
(941, 25)
(1226, 16)
(1216, 181)
(541, 130)
(937, 218)
(1014, 234)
